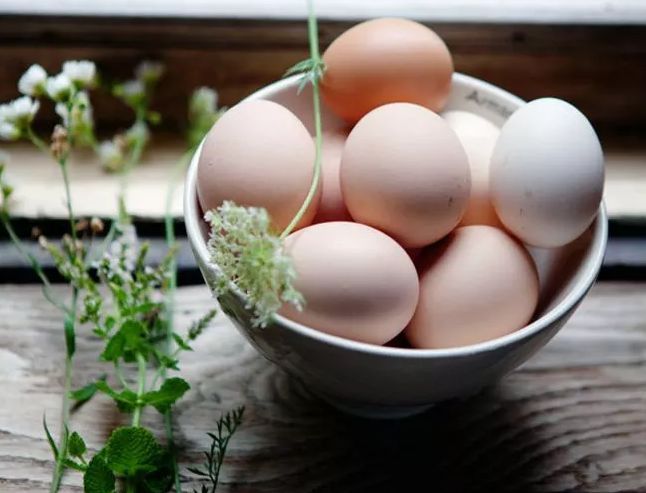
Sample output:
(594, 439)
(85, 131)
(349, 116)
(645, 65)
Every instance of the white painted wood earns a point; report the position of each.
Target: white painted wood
(39, 191)
(522, 11)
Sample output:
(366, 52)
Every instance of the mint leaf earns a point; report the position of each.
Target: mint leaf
(76, 445)
(126, 342)
(126, 399)
(132, 450)
(170, 391)
(98, 477)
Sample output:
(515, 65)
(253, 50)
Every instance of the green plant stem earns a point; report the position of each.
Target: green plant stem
(312, 30)
(37, 141)
(134, 158)
(35, 265)
(59, 468)
(169, 227)
(62, 162)
(141, 388)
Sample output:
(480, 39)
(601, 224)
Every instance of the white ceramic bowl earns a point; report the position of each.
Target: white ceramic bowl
(381, 381)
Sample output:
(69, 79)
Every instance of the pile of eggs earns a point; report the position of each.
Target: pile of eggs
(422, 218)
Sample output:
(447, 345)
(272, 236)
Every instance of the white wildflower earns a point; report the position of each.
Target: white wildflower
(149, 72)
(32, 82)
(19, 112)
(203, 100)
(250, 257)
(110, 155)
(137, 132)
(133, 89)
(61, 110)
(80, 72)
(8, 131)
(59, 87)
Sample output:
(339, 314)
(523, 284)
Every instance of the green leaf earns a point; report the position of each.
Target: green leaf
(181, 343)
(50, 439)
(84, 394)
(126, 399)
(132, 450)
(98, 477)
(114, 348)
(76, 445)
(70, 342)
(72, 464)
(170, 391)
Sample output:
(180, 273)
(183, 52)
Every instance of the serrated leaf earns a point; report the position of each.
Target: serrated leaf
(76, 445)
(170, 391)
(126, 399)
(98, 477)
(160, 480)
(131, 451)
(50, 439)
(70, 337)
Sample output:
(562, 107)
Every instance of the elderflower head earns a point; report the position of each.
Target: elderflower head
(59, 87)
(251, 258)
(81, 72)
(32, 82)
(149, 72)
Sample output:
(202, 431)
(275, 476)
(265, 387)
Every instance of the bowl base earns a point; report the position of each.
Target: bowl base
(373, 411)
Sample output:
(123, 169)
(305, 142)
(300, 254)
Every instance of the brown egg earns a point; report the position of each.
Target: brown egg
(332, 207)
(476, 285)
(404, 171)
(386, 61)
(258, 154)
(358, 283)
(478, 137)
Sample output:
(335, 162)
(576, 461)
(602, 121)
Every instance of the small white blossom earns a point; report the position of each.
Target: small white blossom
(80, 72)
(19, 112)
(138, 132)
(59, 87)
(133, 89)
(8, 131)
(110, 155)
(203, 100)
(61, 110)
(32, 82)
(149, 72)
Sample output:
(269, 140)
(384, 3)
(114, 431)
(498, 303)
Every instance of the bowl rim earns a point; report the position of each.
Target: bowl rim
(569, 301)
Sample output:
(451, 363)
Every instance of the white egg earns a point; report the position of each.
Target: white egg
(547, 173)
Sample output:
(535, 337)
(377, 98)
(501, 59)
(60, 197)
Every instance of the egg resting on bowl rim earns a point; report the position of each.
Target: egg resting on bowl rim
(384, 61)
(405, 172)
(357, 282)
(258, 154)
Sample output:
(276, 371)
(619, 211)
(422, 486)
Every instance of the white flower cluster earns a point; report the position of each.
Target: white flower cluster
(76, 75)
(32, 82)
(16, 116)
(120, 259)
(203, 100)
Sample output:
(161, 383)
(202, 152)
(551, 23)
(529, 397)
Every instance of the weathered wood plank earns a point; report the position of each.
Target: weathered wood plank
(598, 68)
(571, 419)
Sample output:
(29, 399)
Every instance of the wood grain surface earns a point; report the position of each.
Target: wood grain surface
(572, 419)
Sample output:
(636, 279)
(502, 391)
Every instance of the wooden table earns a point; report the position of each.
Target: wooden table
(572, 419)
